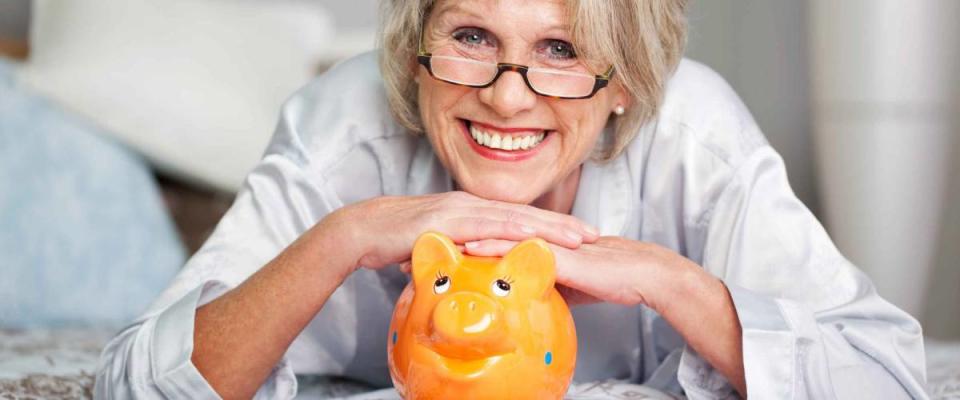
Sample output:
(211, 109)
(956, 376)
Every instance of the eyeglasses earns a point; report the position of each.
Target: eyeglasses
(542, 81)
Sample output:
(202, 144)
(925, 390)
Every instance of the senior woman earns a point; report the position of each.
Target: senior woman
(497, 120)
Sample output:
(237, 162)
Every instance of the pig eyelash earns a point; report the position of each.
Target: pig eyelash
(507, 279)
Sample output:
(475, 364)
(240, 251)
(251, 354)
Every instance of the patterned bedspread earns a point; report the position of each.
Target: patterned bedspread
(43, 364)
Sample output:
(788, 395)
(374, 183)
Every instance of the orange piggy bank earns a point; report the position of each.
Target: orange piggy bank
(481, 327)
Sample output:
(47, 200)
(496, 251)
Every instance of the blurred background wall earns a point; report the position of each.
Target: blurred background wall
(763, 48)
(760, 48)
(893, 210)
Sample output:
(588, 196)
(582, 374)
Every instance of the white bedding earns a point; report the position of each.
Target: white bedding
(61, 364)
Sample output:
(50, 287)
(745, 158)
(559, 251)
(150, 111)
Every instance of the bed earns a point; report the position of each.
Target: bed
(60, 364)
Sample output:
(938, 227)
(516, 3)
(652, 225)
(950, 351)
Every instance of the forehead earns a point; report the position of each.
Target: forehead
(517, 14)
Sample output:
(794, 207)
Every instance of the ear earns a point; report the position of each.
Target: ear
(532, 264)
(431, 251)
(620, 95)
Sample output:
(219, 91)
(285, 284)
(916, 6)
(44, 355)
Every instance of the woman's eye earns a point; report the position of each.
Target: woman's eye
(441, 285)
(471, 36)
(501, 287)
(560, 49)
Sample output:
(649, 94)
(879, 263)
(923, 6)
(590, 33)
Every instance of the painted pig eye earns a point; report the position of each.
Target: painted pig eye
(441, 285)
(501, 287)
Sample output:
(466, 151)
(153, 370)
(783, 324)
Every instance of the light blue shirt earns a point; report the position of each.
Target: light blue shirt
(700, 179)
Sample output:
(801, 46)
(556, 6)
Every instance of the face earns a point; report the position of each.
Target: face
(559, 134)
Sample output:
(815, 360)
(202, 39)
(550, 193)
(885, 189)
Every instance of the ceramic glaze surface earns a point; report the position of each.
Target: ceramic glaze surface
(481, 327)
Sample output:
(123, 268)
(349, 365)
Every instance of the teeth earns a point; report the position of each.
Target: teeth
(506, 142)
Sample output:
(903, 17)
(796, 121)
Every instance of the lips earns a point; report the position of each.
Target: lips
(504, 144)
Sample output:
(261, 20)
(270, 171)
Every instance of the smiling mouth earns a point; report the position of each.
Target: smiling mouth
(512, 142)
(466, 368)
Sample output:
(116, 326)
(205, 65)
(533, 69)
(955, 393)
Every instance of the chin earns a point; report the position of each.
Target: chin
(499, 190)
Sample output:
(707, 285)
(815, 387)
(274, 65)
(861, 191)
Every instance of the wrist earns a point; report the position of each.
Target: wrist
(680, 279)
(342, 236)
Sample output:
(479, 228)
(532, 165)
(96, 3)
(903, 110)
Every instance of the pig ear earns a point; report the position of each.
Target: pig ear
(432, 251)
(532, 261)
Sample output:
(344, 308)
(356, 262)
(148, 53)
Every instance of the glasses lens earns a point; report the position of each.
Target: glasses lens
(560, 83)
(462, 70)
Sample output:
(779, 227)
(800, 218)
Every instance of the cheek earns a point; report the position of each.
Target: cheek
(437, 102)
(582, 124)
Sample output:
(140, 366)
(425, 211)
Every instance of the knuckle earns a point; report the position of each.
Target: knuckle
(512, 216)
(458, 195)
(480, 226)
(431, 221)
(570, 223)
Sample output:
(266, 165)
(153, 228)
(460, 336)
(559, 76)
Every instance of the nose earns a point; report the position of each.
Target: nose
(509, 95)
(468, 325)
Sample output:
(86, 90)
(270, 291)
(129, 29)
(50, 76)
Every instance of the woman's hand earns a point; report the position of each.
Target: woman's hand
(383, 229)
(612, 269)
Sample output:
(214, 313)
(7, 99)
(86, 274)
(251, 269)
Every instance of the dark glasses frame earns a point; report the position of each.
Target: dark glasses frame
(600, 81)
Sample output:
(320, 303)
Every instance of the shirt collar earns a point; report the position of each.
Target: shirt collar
(427, 174)
(603, 196)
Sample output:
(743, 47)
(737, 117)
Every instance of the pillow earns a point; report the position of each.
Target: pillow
(195, 85)
(85, 239)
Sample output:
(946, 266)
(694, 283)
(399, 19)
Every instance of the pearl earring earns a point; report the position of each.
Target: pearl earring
(619, 110)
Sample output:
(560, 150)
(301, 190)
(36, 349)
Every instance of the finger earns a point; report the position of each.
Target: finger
(474, 228)
(574, 297)
(571, 272)
(573, 276)
(554, 227)
(490, 247)
(562, 229)
(564, 221)
(405, 267)
(493, 223)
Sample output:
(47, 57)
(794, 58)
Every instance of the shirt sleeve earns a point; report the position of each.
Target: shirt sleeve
(280, 199)
(813, 325)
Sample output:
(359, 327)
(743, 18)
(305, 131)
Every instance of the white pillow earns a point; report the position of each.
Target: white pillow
(196, 85)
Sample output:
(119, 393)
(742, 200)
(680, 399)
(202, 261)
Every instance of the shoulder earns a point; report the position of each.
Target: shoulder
(702, 111)
(342, 110)
(339, 129)
(701, 139)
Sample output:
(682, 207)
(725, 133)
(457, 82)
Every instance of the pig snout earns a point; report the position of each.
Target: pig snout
(469, 325)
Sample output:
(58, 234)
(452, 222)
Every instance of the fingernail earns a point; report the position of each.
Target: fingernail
(574, 236)
(471, 245)
(527, 229)
(591, 230)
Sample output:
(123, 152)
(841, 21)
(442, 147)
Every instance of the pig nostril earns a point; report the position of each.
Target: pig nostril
(473, 305)
(453, 305)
